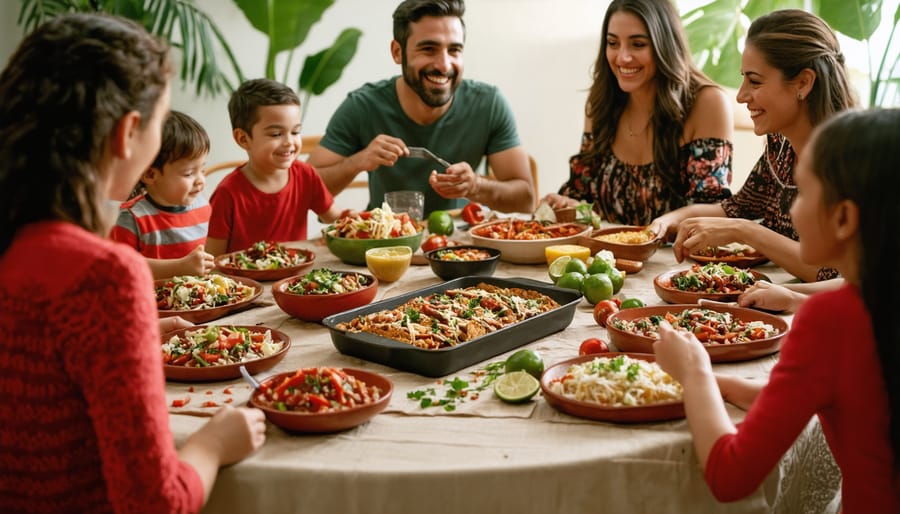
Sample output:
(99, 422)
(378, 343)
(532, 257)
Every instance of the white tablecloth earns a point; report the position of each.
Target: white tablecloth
(486, 457)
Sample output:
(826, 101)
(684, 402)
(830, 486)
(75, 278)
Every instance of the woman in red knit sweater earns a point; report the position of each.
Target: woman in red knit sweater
(840, 359)
(83, 421)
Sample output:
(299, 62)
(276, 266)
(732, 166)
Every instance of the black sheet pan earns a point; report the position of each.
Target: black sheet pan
(442, 362)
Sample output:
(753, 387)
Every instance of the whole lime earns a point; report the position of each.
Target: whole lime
(599, 266)
(576, 265)
(618, 279)
(597, 287)
(440, 222)
(526, 360)
(571, 280)
(630, 303)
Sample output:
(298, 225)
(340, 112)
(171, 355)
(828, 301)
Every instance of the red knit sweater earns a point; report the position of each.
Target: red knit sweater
(83, 419)
(828, 367)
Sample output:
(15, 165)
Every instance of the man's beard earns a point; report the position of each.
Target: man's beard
(431, 97)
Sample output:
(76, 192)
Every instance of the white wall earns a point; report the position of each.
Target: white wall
(539, 52)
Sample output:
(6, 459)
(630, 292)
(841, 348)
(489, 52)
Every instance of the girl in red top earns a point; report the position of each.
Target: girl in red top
(840, 359)
(83, 422)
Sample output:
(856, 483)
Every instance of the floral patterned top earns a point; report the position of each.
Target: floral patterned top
(769, 191)
(635, 194)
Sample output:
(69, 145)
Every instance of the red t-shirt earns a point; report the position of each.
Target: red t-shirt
(828, 367)
(243, 215)
(84, 425)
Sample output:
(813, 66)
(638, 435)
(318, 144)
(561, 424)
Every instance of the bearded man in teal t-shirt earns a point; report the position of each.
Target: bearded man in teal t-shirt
(429, 106)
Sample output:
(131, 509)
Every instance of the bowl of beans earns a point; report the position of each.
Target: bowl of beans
(625, 242)
(461, 261)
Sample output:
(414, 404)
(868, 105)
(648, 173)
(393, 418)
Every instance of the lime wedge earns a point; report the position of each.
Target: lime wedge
(516, 387)
(558, 267)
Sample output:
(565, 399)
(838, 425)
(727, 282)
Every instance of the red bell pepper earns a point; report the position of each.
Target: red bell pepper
(471, 213)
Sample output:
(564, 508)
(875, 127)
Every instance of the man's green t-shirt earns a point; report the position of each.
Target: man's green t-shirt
(478, 123)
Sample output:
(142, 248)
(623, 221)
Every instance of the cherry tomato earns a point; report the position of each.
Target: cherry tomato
(592, 345)
(434, 242)
(471, 213)
(603, 310)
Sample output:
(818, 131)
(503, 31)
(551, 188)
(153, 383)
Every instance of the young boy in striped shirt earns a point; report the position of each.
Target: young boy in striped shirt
(167, 220)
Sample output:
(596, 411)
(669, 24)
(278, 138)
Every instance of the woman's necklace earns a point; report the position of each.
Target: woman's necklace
(632, 133)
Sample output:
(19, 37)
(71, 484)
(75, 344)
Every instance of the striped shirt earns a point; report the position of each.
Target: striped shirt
(160, 232)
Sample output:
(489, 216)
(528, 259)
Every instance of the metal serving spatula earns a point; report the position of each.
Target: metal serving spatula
(420, 152)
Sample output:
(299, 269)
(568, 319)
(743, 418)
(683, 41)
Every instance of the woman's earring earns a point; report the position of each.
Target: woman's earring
(799, 96)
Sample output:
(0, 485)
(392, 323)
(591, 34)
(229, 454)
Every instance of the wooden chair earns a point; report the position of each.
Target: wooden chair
(309, 144)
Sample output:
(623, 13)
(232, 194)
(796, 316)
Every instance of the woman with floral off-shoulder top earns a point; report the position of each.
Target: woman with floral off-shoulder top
(657, 132)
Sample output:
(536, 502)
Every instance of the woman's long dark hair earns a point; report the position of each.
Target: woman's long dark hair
(852, 158)
(61, 95)
(677, 83)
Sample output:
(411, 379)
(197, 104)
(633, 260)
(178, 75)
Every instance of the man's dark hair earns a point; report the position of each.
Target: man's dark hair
(411, 11)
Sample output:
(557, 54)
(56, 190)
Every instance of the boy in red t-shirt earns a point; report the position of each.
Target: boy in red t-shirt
(268, 197)
(166, 221)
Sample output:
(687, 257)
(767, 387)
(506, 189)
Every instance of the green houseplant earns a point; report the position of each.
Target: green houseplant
(286, 23)
(716, 28)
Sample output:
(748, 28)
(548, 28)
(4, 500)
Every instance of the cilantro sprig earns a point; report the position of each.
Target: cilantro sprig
(450, 393)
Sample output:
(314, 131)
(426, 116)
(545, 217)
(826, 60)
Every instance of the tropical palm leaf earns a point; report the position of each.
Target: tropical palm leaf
(180, 22)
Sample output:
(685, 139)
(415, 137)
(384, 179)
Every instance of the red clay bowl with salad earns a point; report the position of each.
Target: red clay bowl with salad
(713, 281)
(323, 292)
(209, 353)
(323, 399)
(201, 299)
(728, 333)
(351, 236)
(266, 260)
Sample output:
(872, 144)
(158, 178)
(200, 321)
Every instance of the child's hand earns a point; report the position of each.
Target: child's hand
(233, 433)
(771, 297)
(198, 262)
(172, 323)
(679, 353)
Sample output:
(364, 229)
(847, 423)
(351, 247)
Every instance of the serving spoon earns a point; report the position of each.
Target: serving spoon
(249, 378)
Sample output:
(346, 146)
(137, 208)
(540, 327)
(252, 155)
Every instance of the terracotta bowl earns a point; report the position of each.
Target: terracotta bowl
(669, 293)
(448, 270)
(209, 314)
(629, 342)
(222, 264)
(315, 307)
(226, 371)
(313, 422)
(590, 410)
(524, 251)
(634, 252)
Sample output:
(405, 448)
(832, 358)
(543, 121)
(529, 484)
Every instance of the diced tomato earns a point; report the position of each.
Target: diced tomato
(181, 402)
(257, 337)
(227, 390)
(365, 215)
(210, 403)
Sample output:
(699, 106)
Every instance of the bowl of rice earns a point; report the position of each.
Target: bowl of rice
(625, 242)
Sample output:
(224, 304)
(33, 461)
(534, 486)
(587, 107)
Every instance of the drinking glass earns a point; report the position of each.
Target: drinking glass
(410, 202)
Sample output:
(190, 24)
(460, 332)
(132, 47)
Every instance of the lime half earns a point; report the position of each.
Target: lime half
(558, 267)
(516, 387)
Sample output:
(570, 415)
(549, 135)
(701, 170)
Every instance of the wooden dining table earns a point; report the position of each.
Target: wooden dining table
(485, 456)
